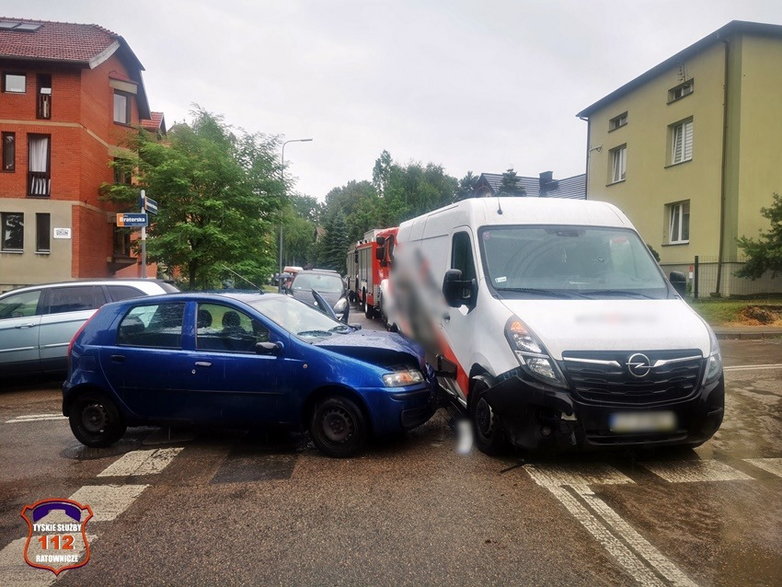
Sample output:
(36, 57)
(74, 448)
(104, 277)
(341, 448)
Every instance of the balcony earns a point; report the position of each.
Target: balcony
(38, 184)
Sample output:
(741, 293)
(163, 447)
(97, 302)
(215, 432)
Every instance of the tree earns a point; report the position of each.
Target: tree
(381, 173)
(467, 186)
(333, 247)
(765, 253)
(511, 184)
(219, 198)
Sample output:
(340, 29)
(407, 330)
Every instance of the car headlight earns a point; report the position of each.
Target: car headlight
(531, 353)
(714, 361)
(403, 378)
(340, 306)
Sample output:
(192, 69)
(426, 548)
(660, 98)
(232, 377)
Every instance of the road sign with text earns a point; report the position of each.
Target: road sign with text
(132, 219)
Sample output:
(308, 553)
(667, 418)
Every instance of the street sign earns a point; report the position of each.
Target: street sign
(148, 204)
(132, 219)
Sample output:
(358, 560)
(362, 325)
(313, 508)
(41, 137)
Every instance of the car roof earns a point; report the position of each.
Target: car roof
(318, 272)
(76, 282)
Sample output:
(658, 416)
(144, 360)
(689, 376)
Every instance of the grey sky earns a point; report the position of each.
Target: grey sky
(478, 85)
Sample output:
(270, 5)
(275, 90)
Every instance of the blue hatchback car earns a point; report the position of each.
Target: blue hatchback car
(242, 359)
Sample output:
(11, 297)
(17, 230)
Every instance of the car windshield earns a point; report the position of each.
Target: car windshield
(298, 318)
(322, 282)
(569, 262)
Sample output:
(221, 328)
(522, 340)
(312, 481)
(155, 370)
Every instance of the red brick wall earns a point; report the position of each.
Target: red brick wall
(92, 242)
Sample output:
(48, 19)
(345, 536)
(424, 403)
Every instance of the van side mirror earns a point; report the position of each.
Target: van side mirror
(679, 282)
(458, 291)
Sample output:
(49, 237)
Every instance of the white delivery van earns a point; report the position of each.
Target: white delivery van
(556, 326)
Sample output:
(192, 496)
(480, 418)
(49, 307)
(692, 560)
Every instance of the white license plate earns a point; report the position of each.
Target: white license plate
(642, 422)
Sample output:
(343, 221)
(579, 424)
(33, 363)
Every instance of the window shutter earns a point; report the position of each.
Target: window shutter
(687, 131)
(676, 149)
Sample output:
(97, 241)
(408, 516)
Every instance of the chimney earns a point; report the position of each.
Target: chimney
(546, 182)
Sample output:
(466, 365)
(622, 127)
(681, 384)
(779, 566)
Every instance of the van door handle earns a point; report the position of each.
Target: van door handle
(117, 358)
(203, 364)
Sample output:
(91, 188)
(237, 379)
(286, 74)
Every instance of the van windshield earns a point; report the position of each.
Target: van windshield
(569, 262)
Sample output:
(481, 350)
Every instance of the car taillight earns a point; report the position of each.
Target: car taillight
(78, 334)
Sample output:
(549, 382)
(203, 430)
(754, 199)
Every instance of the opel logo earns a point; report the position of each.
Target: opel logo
(639, 365)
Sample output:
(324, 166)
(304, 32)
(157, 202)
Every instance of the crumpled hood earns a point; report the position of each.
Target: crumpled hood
(378, 347)
(632, 325)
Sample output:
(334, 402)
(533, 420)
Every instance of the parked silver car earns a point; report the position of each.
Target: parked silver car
(38, 322)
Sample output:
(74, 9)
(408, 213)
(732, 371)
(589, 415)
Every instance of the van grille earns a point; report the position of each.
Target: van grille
(606, 377)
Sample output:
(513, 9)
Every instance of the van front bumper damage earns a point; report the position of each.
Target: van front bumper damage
(535, 416)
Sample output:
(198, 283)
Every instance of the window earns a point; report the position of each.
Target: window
(461, 255)
(14, 83)
(154, 325)
(74, 299)
(617, 121)
(44, 104)
(681, 91)
(20, 305)
(121, 242)
(618, 164)
(9, 151)
(123, 292)
(13, 231)
(38, 175)
(121, 107)
(43, 223)
(678, 222)
(681, 142)
(223, 329)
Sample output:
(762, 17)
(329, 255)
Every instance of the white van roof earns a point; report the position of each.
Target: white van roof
(521, 210)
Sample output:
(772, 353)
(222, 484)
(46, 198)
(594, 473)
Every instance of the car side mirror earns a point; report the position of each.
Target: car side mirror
(679, 282)
(268, 348)
(458, 291)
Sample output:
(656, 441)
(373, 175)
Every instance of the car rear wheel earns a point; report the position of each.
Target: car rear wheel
(338, 427)
(488, 432)
(369, 311)
(95, 420)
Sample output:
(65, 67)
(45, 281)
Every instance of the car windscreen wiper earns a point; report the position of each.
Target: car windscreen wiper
(551, 293)
(313, 333)
(616, 293)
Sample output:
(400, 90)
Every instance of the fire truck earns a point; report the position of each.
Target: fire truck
(368, 264)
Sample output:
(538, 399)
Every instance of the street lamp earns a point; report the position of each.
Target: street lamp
(282, 174)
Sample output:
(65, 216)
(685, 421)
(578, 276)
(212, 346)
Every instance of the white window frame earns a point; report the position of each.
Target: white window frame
(618, 164)
(121, 109)
(8, 75)
(617, 122)
(677, 213)
(681, 141)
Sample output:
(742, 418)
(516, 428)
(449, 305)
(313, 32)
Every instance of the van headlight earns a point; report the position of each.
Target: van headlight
(714, 361)
(531, 353)
(403, 378)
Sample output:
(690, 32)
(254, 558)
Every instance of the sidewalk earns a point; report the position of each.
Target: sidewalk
(747, 332)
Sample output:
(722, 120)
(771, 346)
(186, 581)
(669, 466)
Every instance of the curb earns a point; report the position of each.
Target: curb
(747, 334)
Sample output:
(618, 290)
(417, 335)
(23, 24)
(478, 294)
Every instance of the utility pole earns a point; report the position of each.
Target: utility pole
(282, 174)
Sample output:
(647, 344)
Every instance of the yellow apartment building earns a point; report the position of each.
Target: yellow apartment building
(691, 150)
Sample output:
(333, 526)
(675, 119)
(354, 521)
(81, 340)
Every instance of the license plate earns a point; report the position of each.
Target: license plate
(642, 422)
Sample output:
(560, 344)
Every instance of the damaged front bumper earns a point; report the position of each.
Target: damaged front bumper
(535, 416)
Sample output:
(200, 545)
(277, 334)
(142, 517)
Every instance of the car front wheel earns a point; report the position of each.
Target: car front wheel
(95, 420)
(338, 427)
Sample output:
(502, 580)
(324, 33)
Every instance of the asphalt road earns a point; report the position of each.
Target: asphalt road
(234, 508)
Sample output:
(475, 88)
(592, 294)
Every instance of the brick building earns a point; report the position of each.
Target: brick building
(69, 94)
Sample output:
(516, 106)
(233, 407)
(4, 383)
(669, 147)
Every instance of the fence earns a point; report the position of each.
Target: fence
(704, 273)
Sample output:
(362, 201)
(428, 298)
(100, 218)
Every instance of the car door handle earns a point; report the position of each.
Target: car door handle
(30, 325)
(203, 364)
(117, 358)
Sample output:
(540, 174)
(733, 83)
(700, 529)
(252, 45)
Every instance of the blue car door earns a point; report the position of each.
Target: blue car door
(148, 367)
(233, 379)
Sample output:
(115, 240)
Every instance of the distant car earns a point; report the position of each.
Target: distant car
(38, 322)
(327, 283)
(242, 360)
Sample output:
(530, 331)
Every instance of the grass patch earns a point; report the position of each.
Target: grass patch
(737, 312)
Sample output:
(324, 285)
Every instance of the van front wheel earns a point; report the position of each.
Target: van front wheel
(487, 428)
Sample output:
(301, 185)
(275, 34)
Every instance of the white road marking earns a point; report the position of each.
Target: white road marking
(641, 559)
(753, 367)
(695, 471)
(773, 466)
(15, 571)
(108, 501)
(141, 462)
(36, 418)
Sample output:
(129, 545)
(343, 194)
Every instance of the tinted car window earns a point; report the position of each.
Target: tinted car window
(74, 299)
(154, 325)
(19, 305)
(220, 328)
(123, 292)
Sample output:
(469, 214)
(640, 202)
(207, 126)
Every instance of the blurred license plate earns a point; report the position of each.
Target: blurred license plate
(642, 422)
